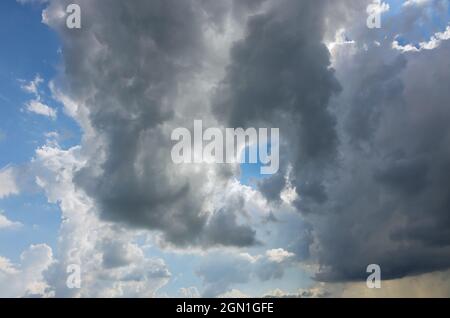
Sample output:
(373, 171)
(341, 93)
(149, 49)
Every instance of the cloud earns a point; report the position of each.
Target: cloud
(266, 85)
(35, 105)
(112, 264)
(386, 204)
(314, 292)
(415, 2)
(418, 286)
(128, 172)
(5, 223)
(427, 285)
(234, 293)
(8, 185)
(421, 286)
(278, 255)
(434, 42)
(39, 108)
(189, 292)
(364, 139)
(364, 162)
(33, 86)
(221, 271)
(223, 228)
(26, 279)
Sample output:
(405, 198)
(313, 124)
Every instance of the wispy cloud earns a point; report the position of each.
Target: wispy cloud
(8, 185)
(33, 86)
(36, 105)
(5, 223)
(39, 108)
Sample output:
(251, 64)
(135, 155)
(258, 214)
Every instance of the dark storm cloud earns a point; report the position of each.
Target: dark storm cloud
(125, 65)
(224, 229)
(389, 203)
(272, 187)
(280, 75)
(377, 87)
(217, 11)
(370, 166)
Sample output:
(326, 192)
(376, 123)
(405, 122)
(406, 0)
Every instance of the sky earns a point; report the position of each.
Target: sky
(86, 177)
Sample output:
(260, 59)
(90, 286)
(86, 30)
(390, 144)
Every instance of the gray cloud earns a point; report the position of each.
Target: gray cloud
(369, 164)
(127, 66)
(221, 271)
(224, 229)
(280, 75)
(387, 204)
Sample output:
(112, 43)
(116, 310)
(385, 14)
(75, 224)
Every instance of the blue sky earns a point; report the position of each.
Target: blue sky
(32, 49)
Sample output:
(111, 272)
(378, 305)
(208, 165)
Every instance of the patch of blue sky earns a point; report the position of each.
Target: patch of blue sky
(29, 48)
(40, 223)
(395, 7)
(250, 173)
(436, 19)
(441, 18)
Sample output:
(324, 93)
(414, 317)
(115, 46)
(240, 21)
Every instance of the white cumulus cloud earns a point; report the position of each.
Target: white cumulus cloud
(39, 108)
(8, 185)
(6, 223)
(26, 279)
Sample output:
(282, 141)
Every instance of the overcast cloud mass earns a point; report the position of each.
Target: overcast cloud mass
(364, 172)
